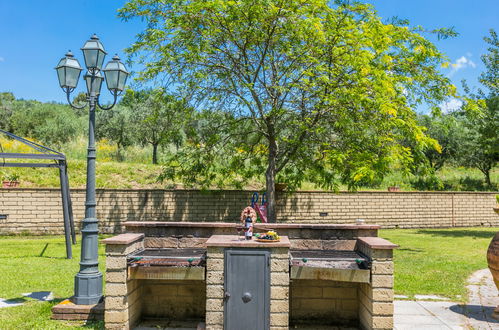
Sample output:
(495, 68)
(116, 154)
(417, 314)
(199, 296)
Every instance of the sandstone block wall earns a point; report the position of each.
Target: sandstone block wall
(39, 211)
(323, 302)
(174, 300)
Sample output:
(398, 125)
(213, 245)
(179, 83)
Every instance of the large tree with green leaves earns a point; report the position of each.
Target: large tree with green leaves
(311, 90)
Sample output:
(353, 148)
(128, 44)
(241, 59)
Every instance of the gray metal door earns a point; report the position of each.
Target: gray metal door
(247, 289)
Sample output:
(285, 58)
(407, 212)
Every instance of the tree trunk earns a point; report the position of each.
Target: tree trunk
(119, 155)
(487, 178)
(270, 180)
(154, 153)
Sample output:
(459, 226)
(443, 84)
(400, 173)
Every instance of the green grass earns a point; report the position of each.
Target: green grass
(30, 264)
(429, 261)
(438, 261)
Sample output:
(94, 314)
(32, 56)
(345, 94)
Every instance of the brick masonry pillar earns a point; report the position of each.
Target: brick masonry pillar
(279, 288)
(215, 288)
(122, 300)
(279, 281)
(376, 297)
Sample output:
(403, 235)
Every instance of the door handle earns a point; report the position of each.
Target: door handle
(246, 297)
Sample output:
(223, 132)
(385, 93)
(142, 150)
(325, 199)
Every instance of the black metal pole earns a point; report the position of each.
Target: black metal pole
(88, 281)
(70, 204)
(65, 210)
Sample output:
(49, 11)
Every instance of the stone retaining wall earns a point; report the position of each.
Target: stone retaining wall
(39, 211)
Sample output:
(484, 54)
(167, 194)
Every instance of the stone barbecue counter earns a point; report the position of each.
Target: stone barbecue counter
(316, 275)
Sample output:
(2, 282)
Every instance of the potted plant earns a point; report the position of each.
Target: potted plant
(10, 180)
(496, 208)
(393, 188)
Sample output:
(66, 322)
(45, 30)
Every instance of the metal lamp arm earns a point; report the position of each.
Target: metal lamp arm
(115, 94)
(68, 92)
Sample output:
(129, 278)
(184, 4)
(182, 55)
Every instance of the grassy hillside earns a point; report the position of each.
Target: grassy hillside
(138, 172)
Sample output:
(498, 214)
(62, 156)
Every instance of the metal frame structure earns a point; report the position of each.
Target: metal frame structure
(60, 163)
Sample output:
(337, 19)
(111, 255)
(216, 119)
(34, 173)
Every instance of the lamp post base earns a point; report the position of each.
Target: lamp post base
(88, 289)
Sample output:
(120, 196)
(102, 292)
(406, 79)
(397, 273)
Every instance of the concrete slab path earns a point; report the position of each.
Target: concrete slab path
(436, 315)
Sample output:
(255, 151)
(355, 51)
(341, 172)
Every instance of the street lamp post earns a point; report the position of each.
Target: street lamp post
(88, 281)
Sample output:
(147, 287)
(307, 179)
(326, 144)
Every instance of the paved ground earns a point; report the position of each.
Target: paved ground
(433, 315)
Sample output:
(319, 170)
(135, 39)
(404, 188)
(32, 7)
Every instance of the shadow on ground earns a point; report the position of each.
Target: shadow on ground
(457, 233)
(476, 312)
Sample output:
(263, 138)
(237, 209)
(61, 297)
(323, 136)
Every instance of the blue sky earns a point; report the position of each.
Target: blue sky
(36, 34)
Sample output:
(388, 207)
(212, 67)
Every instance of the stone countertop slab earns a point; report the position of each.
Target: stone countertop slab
(123, 239)
(233, 241)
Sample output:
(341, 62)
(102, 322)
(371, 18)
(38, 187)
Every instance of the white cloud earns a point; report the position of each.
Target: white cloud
(462, 63)
(451, 105)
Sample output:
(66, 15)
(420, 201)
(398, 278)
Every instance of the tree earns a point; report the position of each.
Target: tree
(50, 123)
(157, 117)
(6, 108)
(117, 126)
(482, 142)
(449, 131)
(315, 91)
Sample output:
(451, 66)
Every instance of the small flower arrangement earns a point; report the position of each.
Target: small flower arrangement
(248, 212)
(12, 177)
(10, 180)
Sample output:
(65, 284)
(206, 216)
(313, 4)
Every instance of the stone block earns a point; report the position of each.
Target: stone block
(379, 308)
(280, 253)
(116, 276)
(279, 278)
(115, 262)
(214, 264)
(217, 291)
(279, 319)
(214, 318)
(382, 254)
(214, 305)
(215, 278)
(279, 265)
(115, 289)
(381, 294)
(385, 267)
(116, 316)
(279, 306)
(279, 292)
(116, 303)
(117, 326)
(161, 242)
(192, 242)
(382, 322)
(306, 244)
(382, 281)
